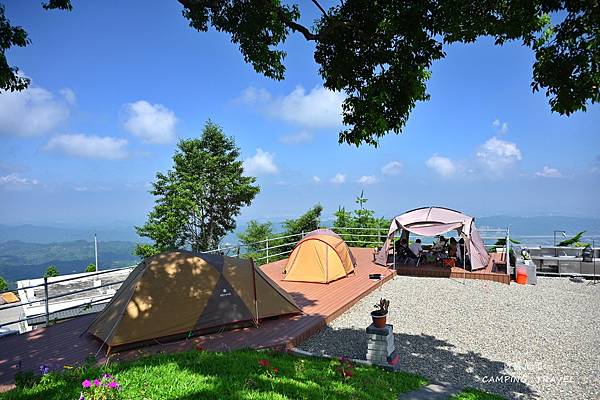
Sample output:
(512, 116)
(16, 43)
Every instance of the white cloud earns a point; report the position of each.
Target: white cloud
(497, 155)
(297, 138)
(252, 96)
(96, 188)
(15, 181)
(153, 123)
(319, 108)
(442, 165)
(501, 127)
(316, 179)
(339, 178)
(548, 172)
(367, 179)
(88, 146)
(69, 96)
(392, 168)
(31, 112)
(262, 163)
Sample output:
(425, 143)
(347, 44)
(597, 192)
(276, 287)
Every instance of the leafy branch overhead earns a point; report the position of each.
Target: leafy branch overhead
(380, 52)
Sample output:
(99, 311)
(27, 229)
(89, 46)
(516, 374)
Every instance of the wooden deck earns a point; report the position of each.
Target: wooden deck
(63, 343)
(492, 272)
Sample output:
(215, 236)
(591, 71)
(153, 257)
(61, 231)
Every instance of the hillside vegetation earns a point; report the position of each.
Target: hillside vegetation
(24, 260)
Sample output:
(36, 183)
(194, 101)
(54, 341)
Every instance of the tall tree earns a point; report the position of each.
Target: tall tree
(309, 221)
(380, 52)
(198, 199)
(254, 239)
(51, 272)
(3, 284)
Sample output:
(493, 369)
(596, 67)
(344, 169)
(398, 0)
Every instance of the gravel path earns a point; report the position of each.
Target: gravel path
(538, 341)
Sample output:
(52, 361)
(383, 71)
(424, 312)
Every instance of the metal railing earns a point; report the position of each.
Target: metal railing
(46, 284)
(366, 237)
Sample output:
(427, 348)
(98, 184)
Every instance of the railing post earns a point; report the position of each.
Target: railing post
(46, 301)
(267, 250)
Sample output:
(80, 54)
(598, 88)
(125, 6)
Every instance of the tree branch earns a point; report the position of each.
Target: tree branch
(316, 3)
(308, 35)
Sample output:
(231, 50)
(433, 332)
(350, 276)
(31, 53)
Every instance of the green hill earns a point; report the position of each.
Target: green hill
(24, 260)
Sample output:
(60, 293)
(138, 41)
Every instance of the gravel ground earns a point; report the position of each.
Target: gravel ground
(518, 341)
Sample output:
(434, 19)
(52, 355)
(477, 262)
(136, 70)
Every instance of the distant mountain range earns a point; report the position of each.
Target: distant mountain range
(50, 234)
(23, 260)
(27, 250)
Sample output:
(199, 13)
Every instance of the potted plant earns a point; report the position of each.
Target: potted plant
(526, 257)
(380, 314)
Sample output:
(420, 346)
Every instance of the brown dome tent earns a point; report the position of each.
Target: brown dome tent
(180, 293)
(321, 256)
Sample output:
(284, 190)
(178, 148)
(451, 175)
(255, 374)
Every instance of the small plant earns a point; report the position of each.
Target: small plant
(25, 379)
(575, 241)
(271, 372)
(345, 367)
(381, 308)
(106, 388)
(44, 369)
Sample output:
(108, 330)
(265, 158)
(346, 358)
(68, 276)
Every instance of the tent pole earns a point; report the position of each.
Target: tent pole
(254, 286)
(393, 252)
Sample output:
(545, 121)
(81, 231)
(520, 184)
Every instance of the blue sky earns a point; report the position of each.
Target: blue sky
(116, 84)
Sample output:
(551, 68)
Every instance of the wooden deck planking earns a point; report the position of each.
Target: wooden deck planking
(435, 271)
(63, 343)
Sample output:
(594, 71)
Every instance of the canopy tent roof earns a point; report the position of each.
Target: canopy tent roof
(430, 221)
(433, 221)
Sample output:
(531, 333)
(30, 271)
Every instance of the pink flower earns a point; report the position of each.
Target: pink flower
(113, 385)
(263, 363)
(276, 370)
(97, 382)
(86, 383)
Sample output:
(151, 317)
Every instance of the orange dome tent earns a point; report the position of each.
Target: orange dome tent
(321, 256)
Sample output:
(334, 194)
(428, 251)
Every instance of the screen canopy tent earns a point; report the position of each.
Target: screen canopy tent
(320, 256)
(181, 293)
(433, 221)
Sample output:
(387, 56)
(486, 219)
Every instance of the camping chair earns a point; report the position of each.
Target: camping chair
(405, 254)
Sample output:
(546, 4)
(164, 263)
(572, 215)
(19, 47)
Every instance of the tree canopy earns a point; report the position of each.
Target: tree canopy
(380, 52)
(51, 272)
(198, 199)
(3, 284)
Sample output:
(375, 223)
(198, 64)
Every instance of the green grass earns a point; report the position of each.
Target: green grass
(231, 375)
(474, 394)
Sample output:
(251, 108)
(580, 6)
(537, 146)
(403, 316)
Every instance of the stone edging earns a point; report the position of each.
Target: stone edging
(302, 353)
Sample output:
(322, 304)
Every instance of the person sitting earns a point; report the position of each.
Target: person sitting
(416, 247)
(404, 253)
(440, 245)
(462, 253)
(453, 248)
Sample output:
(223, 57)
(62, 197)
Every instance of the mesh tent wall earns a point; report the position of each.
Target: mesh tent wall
(433, 221)
(183, 293)
(320, 256)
